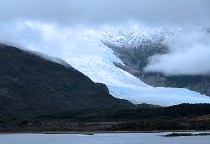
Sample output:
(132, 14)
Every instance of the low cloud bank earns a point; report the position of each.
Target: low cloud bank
(189, 50)
(189, 54)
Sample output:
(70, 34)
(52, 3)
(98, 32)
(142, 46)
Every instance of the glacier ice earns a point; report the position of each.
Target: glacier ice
(98, 65)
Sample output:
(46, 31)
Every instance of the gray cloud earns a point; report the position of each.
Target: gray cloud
(189, 55)
(42, 25)
(107, 11)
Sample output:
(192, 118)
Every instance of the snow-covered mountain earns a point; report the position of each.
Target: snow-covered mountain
(98, 65)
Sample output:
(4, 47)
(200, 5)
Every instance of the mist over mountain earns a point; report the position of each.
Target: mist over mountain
(82, 48)
(165, 57)
(170, 51)
(183, 57)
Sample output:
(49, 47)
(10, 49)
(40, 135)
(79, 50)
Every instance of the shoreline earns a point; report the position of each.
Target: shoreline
(101, 132)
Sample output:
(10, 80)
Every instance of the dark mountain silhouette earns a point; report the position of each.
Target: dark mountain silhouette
(31, 85)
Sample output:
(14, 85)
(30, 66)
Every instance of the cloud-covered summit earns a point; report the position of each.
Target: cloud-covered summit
(54, 27)
(189, 54)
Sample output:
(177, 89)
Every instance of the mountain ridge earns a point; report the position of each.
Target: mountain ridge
(32, 84)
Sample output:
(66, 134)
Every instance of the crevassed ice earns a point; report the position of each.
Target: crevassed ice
(98, 65)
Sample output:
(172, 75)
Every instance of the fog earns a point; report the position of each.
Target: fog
(189, 55)
(64, 28)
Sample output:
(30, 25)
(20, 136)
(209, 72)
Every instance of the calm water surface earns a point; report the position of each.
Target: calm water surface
(111, 138)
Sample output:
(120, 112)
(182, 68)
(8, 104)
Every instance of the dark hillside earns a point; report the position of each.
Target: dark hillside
(39, 95)
(32, 85)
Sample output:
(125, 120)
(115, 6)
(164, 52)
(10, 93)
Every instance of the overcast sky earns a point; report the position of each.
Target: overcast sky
(107, 11)
(57, 27)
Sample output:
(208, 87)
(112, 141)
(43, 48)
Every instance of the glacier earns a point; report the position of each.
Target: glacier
(82, 48)
(98, 65)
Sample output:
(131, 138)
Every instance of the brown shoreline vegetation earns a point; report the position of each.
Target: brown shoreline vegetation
(183, 117)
